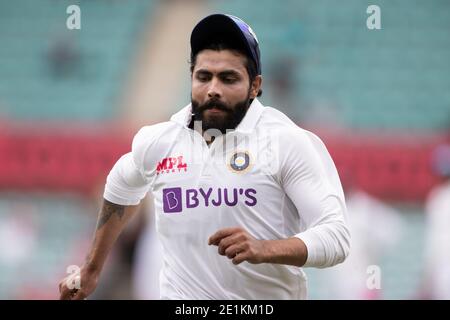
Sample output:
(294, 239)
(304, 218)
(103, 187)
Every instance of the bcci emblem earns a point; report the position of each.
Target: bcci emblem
(239, 162)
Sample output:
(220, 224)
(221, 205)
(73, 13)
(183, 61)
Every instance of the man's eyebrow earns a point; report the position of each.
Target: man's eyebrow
(203, 71)
(229, 73)
(223, 73)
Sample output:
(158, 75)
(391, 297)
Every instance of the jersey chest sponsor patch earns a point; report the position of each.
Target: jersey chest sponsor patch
(175, 200)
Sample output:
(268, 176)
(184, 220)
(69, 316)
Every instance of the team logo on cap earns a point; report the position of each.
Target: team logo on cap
(239, 162)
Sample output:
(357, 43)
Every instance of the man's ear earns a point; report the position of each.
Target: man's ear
(255, 87)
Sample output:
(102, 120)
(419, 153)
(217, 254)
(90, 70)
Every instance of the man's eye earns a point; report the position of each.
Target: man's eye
(229, 80)
(202, 78)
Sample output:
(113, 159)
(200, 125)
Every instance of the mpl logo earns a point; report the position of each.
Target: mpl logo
(173, 198)
(171, 164)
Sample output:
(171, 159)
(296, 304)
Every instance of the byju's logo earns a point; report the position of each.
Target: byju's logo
(172, 201)
(173, 198)
(171, 164)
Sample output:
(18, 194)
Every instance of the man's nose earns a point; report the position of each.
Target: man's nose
(214, 90)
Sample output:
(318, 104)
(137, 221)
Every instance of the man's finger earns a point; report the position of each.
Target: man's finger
(222, 233)
(240, 257)
(65, 292)
(235, 238)
(232, 251)
(80, 295)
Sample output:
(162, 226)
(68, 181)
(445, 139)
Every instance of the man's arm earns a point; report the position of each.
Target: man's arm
(238, 245)
(111, 221)
(309, 178)
(126, 185)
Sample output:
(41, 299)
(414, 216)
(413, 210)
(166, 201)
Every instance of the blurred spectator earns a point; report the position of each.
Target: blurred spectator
(436, 283)
(63, 57)
(283, 82)
(18, 228)
(375, 228)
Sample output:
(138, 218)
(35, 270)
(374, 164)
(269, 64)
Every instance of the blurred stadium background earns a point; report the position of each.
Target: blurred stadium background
(71, 100)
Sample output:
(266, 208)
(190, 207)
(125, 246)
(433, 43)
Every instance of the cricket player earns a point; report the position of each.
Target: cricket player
(243, 197)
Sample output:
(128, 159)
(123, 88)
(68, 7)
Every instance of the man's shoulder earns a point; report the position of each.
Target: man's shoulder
(162, 129)
(155, 136)
(153, 141)
(274, 117)
(155, 130)
(278, 124)
(288, 136)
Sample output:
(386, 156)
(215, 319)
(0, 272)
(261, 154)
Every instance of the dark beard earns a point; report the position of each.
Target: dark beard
(233, 115)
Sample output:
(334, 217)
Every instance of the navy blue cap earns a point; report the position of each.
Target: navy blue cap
(226, 28)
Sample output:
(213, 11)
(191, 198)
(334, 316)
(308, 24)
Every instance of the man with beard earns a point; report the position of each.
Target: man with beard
(243, 197)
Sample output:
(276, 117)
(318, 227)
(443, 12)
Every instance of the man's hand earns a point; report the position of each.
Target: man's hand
(238, 245)
(87, 280)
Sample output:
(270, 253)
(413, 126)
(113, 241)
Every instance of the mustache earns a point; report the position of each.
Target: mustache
(213, 104)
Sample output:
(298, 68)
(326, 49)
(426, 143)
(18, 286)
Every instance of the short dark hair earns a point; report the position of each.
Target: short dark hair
(250, 65)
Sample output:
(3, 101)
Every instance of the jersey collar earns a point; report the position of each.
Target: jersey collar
(247, 124)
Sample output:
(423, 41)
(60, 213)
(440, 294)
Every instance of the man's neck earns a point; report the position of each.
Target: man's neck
(208, 141)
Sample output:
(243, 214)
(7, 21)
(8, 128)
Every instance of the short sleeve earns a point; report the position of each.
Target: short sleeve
(131, 177)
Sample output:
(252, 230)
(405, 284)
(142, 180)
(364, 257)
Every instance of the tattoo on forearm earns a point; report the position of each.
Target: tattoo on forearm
(108, 210)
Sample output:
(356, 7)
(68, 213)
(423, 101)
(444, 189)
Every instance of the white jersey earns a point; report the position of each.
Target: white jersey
(268, 176)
